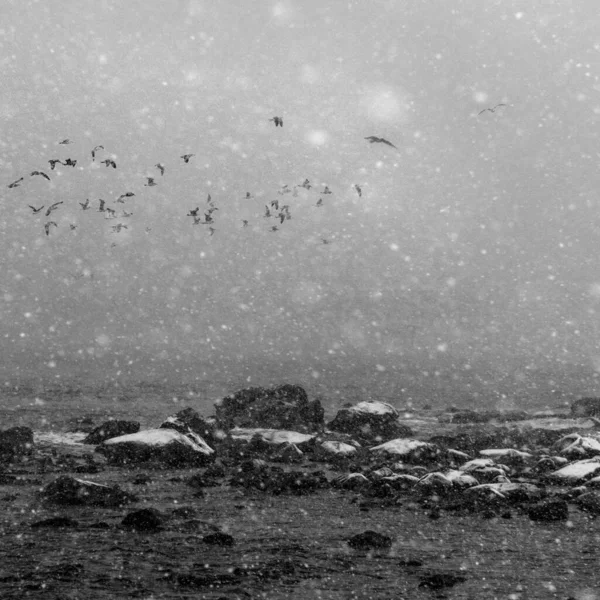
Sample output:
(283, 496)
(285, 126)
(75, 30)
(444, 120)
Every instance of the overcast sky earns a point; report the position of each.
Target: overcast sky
(477, 238)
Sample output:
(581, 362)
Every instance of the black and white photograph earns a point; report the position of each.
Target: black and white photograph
(299, 299)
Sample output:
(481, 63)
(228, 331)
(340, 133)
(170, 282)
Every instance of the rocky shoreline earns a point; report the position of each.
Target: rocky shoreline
(197, 483)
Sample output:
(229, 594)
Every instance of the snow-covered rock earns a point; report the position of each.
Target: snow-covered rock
(338, 448)
(407, 448)
(576, 472)
(163, 445)
(270, 436)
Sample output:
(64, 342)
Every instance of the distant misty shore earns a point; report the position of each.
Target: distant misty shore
(438, 382)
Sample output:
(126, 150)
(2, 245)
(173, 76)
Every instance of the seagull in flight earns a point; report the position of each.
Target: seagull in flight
(378, 140)
(193, 212)
(101, 206)
(123, 196)
(326, 190)
(53, 207)
(358, 190)
(150, 182)
(65, 142)
(85, 205)
(160, 167)
(16, 183)
(244, 223)
(94, 151)
(117, 228)
(34, 209)
(109, 163)
(40, 173)
(306, 184)
(69, 162)
(47, 226)
(319, 202)
(186, 157)
(53, 163)
(278, 121)
(493, 109)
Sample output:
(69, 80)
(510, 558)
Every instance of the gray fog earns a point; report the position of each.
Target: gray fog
(467, 269)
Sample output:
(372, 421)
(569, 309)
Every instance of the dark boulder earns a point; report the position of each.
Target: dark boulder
(370, 421)
(55, 522)
(147, 520)
(16, 441)
(439, 581)
(369, 540)
(586, 407)
(283, 407)
(111, 429)
(219, 539)
(71, 491)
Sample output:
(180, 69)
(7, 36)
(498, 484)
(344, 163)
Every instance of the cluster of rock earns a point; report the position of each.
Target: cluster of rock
(276, 441)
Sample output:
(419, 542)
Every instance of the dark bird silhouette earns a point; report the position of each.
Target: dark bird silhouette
(47, 226)
(122, 197)
(109, 162)
(193, 212)
(65, 142)
(186, 157)
(53, 162)
(85, 205)
(326, 190)
(160, 167)
(16, 183)
(306, 184)
(358, 190)
(278, 121)
(244, 223)
(53, 207)
(377, 140)
(319, 202)
(267, 212)
(117, 228)
(285, 189)
(198, 221)
(325, 241)
(248, 196)
(101, 206)
(281, 217)
(69, 162)
(209, 200)
(212, 230)
(275, 204)
(34, 209)
(110, 213)
(208, 219)
(493, 109)
(127, 214)
(150, 182)
(40, 173)
(72, 226)
(274, 228)
(94, 151)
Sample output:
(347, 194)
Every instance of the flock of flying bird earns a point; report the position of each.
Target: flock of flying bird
(273, 210)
